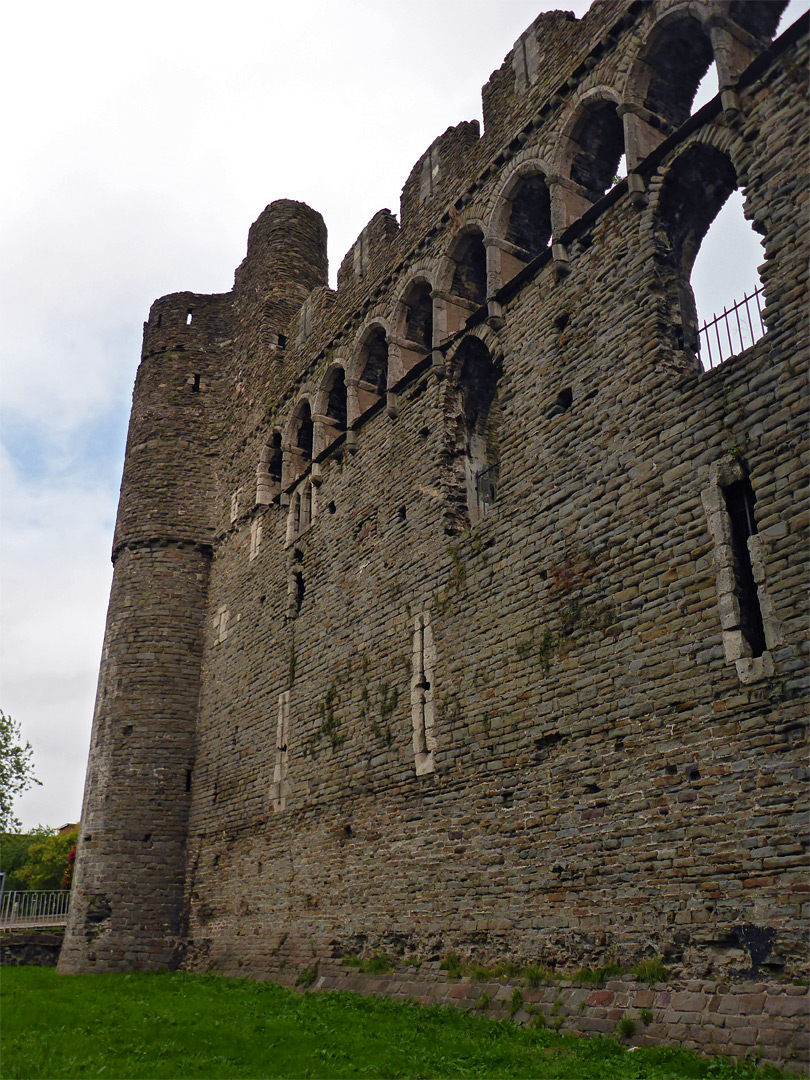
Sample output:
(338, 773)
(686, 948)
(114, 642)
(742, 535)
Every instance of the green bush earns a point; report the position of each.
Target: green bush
(627, 1027)
(598, 975)
(36, 860)
(650, 970)
(452, 965)
(377, 964)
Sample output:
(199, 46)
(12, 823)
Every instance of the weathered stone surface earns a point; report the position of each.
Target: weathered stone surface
(426, 632)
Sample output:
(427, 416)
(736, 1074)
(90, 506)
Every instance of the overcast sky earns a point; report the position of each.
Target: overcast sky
(141, 142)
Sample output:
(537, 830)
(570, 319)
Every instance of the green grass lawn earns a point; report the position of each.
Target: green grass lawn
(176, 1025)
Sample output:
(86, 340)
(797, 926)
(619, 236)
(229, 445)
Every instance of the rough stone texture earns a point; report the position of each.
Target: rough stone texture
(708, 1017)
(37, 947)
(587, 763)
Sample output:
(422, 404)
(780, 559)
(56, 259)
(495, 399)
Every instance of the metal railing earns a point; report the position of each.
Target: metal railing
(486, 487)
(736, 329)
(20, 910)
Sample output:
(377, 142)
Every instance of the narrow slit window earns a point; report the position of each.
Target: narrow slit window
(189, 316)
(740, 501)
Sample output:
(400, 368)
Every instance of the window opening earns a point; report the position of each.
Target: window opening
(423, 695)
(303, 438)
(336, 406)
(740, 500)
(727, 288)
(419, 319)
(470, 275)
(481, 413)
(276, 458)
(279, 787)
(189, 316)
(760, 19)
(375, 362)
(529, 225)
(601, 146)
(195, 386)
(693, 195)
(679, 59)
(707, 88)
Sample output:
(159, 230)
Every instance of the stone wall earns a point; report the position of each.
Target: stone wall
(760, 1019)
(466, 667)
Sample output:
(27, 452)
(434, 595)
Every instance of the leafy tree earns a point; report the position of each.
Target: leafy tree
(13, 857)
(37, 860)
(16, 771)
(48, 859)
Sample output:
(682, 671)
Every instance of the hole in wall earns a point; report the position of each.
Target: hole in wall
(562, 321)
(672, 769)
(159, 321)
(562, 403)
(195, 386)
(262, 599)
(402, 513)
(128, 729)
(693, 774)
(282, 340)
(188, 779)
(189, 317)
(331, 508)
(147, 836)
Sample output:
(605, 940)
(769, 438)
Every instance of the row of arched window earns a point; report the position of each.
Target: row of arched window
(496, 239)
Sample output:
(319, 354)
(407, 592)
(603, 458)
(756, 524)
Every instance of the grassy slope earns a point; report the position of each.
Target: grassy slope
(177, 1026)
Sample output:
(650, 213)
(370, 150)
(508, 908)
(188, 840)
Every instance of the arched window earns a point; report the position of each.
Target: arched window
(303, 438)
(374, 366)
(269, 471)
(677, 58)
(480, 414)
(599, 140)
(759, 17)
(529, 226)
(694, 190)
(336, 404)
(727, 287)
(298, 444)
(419, 316)
(470, 274)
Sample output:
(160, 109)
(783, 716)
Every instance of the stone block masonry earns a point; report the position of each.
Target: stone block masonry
(460, 609)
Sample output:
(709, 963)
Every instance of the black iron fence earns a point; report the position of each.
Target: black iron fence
(731, 332)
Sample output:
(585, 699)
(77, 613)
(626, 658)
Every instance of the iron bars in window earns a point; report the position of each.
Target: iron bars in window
(736, 329)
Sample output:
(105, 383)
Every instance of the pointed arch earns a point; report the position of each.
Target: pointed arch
(469, 257)
(694, 189)
(270, 468)
(298, 442)
(673, 59)
(476, 373)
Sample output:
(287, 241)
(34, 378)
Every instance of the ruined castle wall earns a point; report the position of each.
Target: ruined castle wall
(532, 731)
(595, 749)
